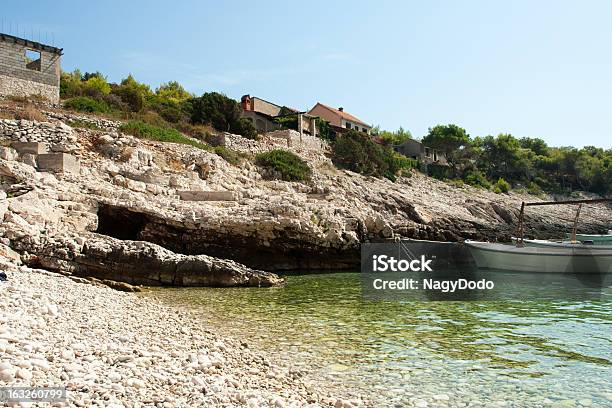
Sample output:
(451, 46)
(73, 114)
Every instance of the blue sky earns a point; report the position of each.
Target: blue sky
(529, 68)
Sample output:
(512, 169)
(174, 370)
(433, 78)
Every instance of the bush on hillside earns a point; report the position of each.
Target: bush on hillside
(502, 186)
(290, 166)
(130, 96)
(215, 109)
(324, 130)
(245, 128)
(144, 130)
(86, 104)
(477, 179)
(229, 155)
(222, 113)
(98, 83)
(171, 111)
(357, 152)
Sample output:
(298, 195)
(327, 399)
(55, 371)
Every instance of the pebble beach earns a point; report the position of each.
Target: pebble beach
(116, 349)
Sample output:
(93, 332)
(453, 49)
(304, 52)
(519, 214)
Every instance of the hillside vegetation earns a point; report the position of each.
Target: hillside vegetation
(525, 163)
(499, 163)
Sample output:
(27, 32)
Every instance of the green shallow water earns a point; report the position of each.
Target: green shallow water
(490, 353)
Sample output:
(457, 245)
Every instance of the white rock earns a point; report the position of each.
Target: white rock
(114, 376)
(5, 365)
(41, 364)
(279, 402)
(24, 374)
(7, 375)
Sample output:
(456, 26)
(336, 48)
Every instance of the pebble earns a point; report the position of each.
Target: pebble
(7, 375)
(24, 374)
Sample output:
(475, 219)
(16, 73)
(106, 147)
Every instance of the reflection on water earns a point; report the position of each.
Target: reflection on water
(483, 353)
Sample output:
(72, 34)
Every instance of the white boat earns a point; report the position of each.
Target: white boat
(489, 255)
(542, 243)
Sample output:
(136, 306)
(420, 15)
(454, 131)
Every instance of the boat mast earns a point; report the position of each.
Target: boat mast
(576, 224)
(520, 228)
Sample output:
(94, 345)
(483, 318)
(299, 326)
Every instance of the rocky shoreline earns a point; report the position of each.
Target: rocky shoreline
(128, 201)
(117, 349)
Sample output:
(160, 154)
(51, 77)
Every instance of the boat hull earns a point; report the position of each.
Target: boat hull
(540, 260)
(540, 243)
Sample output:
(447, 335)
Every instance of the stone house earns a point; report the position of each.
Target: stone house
(262, 114)
(339, 120)
(418, 151)
(29, 68)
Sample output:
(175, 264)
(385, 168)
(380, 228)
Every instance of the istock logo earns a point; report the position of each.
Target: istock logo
(384, 263)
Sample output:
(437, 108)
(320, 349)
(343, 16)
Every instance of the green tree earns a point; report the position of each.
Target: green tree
(391, 138)
(357, 152)
(173, 92)
(448, 139)
(222, 113)
(215, 109)
(536, 145)
(129, 81)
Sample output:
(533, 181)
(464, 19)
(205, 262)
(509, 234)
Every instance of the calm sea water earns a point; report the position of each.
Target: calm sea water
(513, 353)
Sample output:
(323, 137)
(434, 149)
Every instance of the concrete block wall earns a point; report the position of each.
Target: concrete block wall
(17, 79)
(58, 162)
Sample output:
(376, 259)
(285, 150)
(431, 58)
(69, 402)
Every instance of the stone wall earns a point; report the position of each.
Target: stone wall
(19, 80)
(19, 87)
(104, 124)
(294, 139)
(28, 131)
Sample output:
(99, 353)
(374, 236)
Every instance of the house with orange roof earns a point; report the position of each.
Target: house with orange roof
(339, 120)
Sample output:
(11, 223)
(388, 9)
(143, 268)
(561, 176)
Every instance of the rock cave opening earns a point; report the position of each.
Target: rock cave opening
(120, 222)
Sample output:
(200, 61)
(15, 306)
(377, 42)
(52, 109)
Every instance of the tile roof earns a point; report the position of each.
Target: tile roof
(345, 115)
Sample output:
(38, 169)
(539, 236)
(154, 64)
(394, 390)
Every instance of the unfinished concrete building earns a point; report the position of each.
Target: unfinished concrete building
(29, 68)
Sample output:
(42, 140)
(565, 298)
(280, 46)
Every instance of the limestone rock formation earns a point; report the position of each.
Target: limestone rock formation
(124, 204)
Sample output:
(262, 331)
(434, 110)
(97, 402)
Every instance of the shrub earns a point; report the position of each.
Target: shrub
(289, 122)
(324, 130)
(201, 132)
(502, 185)
(230, 156)
(245, 128)
(456, 182)
(172, 92)
(290, 166)
(215, 109)
(477, 179)
(160, 134)
(70, 84)
(170, 111)
(150, 117)
(131, 96)
(82, 124)
(357, 152)
(114, 102)
(534, 188)
(220, 112)
(86, 104)
(98, 83)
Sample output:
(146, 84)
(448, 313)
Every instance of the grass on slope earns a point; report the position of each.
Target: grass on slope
(147, 131)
